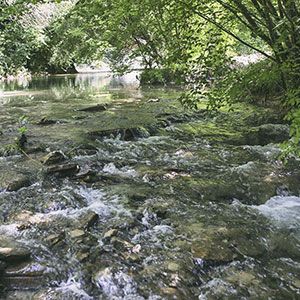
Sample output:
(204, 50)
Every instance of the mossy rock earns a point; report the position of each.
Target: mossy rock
(266, 134)
(125, 134)
(14, 181)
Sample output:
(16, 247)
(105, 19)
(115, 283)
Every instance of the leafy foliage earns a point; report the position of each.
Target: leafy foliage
(259, 82)
(189, 40)
(16, 40)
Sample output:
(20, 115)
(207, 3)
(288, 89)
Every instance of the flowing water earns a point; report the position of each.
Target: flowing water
(151, 201)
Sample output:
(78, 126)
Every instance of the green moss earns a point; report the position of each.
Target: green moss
(211, 130)
(208, 189)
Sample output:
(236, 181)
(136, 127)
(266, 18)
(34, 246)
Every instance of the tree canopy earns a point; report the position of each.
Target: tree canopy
(193, 38)
(163, 33)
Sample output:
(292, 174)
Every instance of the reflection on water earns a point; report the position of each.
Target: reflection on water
(78, 81)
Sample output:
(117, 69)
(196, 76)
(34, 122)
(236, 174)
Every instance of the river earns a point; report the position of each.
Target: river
(121, 193)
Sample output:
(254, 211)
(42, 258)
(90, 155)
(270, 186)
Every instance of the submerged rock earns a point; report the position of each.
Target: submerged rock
(82, 256)
(219, 245)
(242, 278)
(132, 257)
(213, 252)
(30, 269)
(170, 291)
(85, 150)
(211, 244)
(173, 266)
(121, 244)
(88, 175)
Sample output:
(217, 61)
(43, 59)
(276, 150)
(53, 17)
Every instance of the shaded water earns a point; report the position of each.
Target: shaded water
(167, 203)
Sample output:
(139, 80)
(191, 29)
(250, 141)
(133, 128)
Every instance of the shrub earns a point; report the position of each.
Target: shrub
(258, 82)
(162, 77)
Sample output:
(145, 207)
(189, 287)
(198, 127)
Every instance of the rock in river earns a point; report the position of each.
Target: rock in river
(53, 158)
(77, 233)
(88, 220)
(63, 170)
(27, 275)
(13, 180)
(96, 108)
(266, 134)
(125, 134)
(18, 183)
(10, 251)
(54, 239)
(44, 121)
(110, 233)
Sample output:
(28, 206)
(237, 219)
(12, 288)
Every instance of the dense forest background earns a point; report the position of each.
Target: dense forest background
(187, 42)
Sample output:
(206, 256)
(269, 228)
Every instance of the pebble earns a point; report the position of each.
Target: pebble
(110, 233)
(88, 220)
(77, 233)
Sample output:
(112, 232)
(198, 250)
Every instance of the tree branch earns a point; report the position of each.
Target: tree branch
(230, 33)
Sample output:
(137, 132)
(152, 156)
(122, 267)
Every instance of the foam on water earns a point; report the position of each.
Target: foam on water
(95, 200)
(9, 230)
(118, 285)
(101, 203)
(72, 288)
(217, 288)
(155, 236)
(245, 168)
(285, 211)
(125, 171)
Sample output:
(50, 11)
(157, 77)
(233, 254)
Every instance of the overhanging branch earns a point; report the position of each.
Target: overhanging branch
(224, 29)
